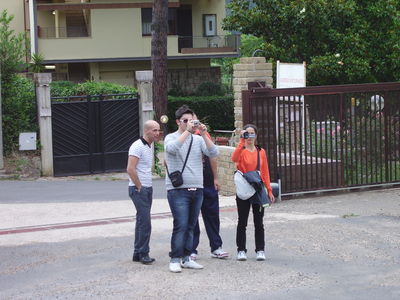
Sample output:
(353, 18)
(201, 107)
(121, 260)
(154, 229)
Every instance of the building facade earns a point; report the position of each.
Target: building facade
(109, 40)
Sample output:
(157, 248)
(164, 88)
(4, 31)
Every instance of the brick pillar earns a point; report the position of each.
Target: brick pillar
(248, 70)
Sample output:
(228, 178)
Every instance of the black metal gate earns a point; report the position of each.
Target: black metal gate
(92, 134)
(328, 137)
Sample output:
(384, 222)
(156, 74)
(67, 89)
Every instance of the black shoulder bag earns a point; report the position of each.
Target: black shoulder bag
(176, 176)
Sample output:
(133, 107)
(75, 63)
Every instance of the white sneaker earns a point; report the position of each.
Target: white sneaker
(191, 264)
(241, 256)
(260, 255)
(193, 256)
(175, 267)
(219, 253)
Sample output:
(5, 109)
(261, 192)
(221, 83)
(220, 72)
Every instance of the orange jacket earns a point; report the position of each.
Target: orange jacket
(247, 161)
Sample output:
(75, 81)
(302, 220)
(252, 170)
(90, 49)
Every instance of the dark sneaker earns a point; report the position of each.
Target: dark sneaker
(146, 260)
(135, 257)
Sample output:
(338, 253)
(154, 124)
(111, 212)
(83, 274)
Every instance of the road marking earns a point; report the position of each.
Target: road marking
(88, 223)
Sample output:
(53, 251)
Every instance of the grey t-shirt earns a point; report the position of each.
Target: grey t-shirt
(175, 154)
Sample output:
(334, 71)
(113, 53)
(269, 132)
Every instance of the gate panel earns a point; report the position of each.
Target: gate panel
(121, 129)
(70, 138)
(329, 137)
(93, 135)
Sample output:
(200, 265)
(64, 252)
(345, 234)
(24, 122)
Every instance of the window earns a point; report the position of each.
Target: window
(147, 19)
(210, 25)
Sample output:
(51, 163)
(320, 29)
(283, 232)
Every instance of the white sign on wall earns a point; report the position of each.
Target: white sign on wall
(290, 75)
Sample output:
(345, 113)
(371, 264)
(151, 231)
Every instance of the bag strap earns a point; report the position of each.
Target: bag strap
(258, 159)
(187, 155)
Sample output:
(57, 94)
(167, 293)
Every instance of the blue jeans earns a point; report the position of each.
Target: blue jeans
(210, 214)
(142, 201)
(185, 206)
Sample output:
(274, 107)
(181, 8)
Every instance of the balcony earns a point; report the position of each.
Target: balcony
(210, 44)
(63, 32)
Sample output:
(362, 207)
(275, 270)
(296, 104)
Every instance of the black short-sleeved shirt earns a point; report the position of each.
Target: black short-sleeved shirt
(208, 177)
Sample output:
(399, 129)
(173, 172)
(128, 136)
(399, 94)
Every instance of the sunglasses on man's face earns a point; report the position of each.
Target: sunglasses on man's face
(184, 120)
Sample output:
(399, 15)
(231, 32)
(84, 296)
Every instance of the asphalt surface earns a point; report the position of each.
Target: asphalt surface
(340, 246)
(70, 190)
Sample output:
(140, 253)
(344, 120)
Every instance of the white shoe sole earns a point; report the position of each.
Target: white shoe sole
(193, 268)
(219, 256)
(175, 271)
(260, 259)
(241, 259)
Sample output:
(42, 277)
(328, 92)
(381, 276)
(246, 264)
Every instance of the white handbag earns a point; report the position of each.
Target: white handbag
(244, 190)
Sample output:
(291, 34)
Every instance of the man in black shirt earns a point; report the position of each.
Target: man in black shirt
(209, 210)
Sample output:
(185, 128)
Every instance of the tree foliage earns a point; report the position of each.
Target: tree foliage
(248, 44)
(12, 48)
(19, 110)
(342, 41)
(214, 111)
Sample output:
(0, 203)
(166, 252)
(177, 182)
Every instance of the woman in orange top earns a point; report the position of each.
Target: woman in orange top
(245, 157)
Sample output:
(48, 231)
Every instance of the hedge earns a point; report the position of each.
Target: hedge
(19, 110)
(215, 111)
(67, 88)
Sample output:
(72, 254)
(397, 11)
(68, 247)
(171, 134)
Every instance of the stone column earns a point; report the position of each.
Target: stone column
(42, 81)
(144, 83)
(248, 70)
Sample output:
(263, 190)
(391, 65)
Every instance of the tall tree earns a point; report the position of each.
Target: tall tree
(342, 41)
(159, 30)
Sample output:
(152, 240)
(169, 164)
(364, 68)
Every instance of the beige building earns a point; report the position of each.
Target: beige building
(111, 39)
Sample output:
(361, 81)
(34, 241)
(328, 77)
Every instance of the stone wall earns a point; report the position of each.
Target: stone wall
(248, 70)
(226, 168)
(189, 79)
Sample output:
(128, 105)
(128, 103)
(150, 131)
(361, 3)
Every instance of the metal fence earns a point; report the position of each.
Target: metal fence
(92, 134)
(328, 137)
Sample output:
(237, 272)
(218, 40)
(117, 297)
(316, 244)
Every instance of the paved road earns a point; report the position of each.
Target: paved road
(343, 246)
(70, 191)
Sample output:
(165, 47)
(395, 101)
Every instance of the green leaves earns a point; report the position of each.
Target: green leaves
(19, 110)
(67, 88)
(214, 111)
(12, 48)
(365, 33)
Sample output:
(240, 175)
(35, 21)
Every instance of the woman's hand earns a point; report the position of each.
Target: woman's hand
(272, 198)
(242, 132)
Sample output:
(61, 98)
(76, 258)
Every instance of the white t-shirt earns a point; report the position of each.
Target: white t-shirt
(142, 150)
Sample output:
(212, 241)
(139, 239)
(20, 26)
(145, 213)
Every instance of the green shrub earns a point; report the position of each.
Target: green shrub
(63, 88)
(176, 91)
(19, 110)
(215, 111)
(102, 87)
(210, 89)
(67, 88)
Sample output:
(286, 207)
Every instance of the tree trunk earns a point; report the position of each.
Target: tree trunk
(159, 56)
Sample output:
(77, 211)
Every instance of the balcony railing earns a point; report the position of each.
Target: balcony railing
(63, 32)
(206, 44)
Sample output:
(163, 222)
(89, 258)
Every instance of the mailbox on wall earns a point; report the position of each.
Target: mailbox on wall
(210, 25)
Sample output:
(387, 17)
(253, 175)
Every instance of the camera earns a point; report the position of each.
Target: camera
(196, 122)
(247, 135)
